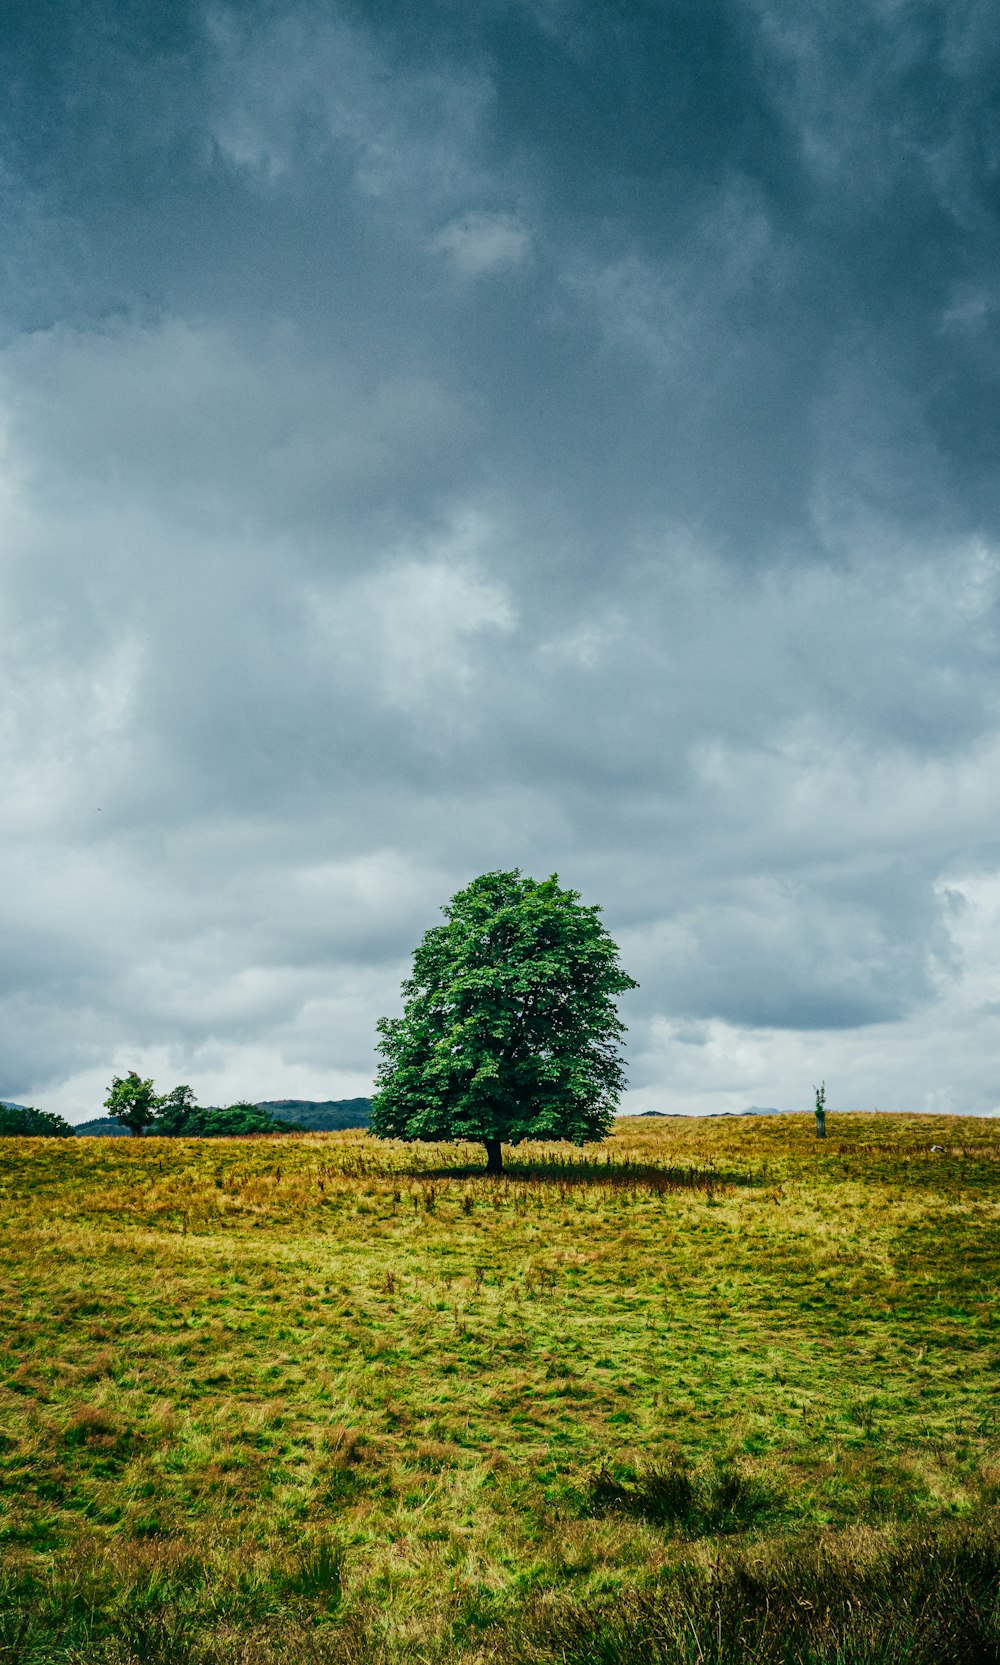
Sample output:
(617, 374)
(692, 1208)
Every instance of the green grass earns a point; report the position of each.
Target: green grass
(322, 1393)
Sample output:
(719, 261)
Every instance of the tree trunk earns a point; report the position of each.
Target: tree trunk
(494, 1156)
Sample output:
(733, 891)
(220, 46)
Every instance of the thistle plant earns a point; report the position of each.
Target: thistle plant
(820, 1092)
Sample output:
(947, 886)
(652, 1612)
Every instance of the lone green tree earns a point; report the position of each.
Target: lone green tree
(510, 1029)
(133, 1102)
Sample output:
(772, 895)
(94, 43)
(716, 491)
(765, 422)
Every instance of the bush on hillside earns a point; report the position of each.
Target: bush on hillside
(185, 1120)
(25, 1120)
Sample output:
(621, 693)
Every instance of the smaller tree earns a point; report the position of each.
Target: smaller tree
(820, 1092)
(133, 1102)
(175, 1112)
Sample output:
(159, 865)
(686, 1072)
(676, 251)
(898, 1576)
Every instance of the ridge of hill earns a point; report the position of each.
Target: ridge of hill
(328, 1115)
(754, 1110)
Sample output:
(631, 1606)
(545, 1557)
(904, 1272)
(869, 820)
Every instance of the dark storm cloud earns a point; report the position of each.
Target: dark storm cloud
(754, 232)
(536, 433)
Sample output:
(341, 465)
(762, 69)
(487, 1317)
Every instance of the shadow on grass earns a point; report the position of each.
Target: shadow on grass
(565, 1173)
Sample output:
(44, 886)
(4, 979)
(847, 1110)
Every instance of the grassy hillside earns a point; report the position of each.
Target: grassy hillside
(326, 1398)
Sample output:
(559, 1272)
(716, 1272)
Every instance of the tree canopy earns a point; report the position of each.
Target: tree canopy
(510, 1028)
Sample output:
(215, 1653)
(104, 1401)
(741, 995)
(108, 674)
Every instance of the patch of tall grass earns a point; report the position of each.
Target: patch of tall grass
(926, 1596)
(929, 1597)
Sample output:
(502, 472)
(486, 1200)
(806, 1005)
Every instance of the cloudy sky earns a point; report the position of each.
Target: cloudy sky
(560, 434)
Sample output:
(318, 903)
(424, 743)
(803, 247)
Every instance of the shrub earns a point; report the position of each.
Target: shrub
(231, 1121)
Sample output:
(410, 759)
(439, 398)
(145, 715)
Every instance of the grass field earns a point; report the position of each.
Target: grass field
(711, 1386)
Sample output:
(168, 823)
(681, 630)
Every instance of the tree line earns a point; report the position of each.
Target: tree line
(134, 1103)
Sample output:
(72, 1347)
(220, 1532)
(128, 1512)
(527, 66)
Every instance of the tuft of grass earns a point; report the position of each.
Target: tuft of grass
(722, 1496)
(317, 1575)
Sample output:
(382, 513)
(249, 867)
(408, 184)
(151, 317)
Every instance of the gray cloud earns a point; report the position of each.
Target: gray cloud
(522, 435)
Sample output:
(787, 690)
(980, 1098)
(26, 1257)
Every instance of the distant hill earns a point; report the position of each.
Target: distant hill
(320, 1115)
(754, 1110)
(102, 1127)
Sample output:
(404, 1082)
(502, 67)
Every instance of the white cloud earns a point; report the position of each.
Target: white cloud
(415, 626)
(324, 87)
(483, 242)
(663, 310)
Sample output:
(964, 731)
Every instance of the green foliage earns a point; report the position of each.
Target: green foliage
(510, 1029)
(133, 1102)
(25, 1120)
(174, 1110)
(923, 1597)
(318, 1575)
(181, 1118)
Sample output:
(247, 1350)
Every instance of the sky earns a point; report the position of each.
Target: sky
(487, 434)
